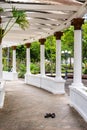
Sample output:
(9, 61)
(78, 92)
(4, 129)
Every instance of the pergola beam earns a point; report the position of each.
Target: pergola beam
(37, 7)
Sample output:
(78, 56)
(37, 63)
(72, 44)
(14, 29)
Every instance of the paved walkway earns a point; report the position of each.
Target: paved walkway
(25, 107)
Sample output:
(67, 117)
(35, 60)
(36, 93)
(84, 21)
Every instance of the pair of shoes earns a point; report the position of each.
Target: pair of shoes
(47, 115)
(53, 115)
(50, 115)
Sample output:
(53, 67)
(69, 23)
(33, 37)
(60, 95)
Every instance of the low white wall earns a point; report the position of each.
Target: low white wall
(47, 83)
(2, 93)
(78, 100)
(32, 79)
(10, 75)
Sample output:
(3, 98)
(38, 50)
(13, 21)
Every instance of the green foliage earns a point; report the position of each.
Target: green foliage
(35, 52)
(49, 67)
(85, 68)
(68, 67)
(1, 10)
(50, 54)
(1, 33)
(35, 68)
(68, 39)
(84, 41)
(50, 48)
(22, 70)
(7, 59)
(20, 18)
(5, 67)
(21, 52)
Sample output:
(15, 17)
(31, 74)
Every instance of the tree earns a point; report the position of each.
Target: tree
(21, 52)
(50, 48)
(35, 52)
(84, 41)
(68, 39)
(50, 54)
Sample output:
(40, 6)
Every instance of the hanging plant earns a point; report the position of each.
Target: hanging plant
(18, 17)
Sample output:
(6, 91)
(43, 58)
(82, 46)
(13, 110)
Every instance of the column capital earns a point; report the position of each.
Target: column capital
(77, 23)
(28, 45)
(14, 47)
(42, 41)
(58, 35)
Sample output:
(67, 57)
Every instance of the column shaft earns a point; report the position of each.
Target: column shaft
(42, 56)
(58, 59)
(28, 60)
(58, 54)
(14, 60)
(42, 65)
(77, 57)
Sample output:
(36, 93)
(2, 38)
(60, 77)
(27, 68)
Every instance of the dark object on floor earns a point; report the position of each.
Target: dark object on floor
(53, 115)
(50, 115)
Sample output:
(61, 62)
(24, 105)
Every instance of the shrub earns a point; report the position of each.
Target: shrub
(49, 67)
(35, 68)
(22, 70)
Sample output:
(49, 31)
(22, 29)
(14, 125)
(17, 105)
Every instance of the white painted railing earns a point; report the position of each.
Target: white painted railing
(78, 98)
(48, 83)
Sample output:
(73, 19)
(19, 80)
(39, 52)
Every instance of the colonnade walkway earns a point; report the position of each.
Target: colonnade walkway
(25, 107)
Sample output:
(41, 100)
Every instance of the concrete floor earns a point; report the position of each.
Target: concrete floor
(25, 107)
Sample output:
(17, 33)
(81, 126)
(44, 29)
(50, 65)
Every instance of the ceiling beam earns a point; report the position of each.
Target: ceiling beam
(40, 7)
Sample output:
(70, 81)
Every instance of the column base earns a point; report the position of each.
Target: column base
(26, 77)
(76, 85)
(10, 75)
(59, 79)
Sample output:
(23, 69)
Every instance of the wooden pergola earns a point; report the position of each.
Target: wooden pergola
(45, 18)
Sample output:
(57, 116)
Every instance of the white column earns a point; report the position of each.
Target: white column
(0, 62)
(28, 61)
(58, 54)
(42, 57)
(77, 57)
(77, 79)
(58, 59)
(14, 59)
(28, 58)
(42, 65)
